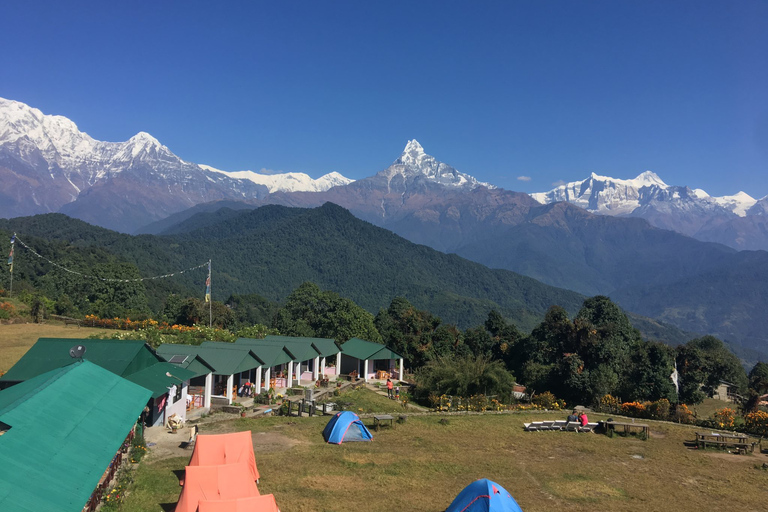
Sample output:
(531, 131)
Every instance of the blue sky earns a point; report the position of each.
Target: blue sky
(550, 90)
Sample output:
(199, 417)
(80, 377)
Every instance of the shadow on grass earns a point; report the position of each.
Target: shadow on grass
(168, 507)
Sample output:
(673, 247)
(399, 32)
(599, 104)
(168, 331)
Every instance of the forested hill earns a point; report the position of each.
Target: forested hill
(272, 250)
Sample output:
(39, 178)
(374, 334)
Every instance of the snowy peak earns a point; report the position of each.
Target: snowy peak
(144, 139)
(414, 163)
(287, 182)
(738, 203)
(413, 154)
(612, 196)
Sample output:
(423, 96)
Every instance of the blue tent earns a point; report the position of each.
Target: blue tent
(346, 426)
(484, 496)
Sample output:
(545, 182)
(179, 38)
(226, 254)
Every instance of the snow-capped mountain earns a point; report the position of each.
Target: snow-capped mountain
(287, 182)
(415, 163)
(47, 165)
(692, 212)
(612, 196)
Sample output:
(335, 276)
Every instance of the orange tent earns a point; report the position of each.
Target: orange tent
(263, 503)
(216, 450)
(213, 483)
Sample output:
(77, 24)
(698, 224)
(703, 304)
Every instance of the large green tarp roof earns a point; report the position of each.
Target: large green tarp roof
(225, 358)
(273, 354)
(298, 351)
(66, 425)
(362, 349)
(121, 357)
(326, 346)
(154, 377)
(193, 363)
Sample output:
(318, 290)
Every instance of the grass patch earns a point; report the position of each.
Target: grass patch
(364, 401)
(16, 339)
(155, 484)
(422, 465)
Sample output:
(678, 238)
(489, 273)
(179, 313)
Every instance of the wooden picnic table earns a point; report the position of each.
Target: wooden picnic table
(378, 420)
(627, 427)
(739, 442)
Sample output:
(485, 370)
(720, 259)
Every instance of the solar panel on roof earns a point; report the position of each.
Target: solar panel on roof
(178, 359)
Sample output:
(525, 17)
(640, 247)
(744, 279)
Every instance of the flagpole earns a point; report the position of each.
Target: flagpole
(210, 301)
(10, 262)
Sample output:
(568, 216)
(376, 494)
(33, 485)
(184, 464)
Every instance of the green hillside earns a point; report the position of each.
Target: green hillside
(272, 250)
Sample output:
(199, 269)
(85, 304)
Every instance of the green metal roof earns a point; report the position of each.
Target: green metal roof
(191, 362)
(66, 425)
(121, 357)
(369, 350)
(299, 351)
(225, 358)
(154, 377)
(326, 346)
(196, 365)
(273, 354)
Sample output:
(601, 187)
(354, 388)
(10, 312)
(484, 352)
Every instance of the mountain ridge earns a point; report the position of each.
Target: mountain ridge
(691, 212)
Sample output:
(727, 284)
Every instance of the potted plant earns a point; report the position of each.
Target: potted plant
(242, 412)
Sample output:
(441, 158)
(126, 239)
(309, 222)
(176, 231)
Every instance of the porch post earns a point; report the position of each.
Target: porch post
(402, 375)
(208, 390)
(267, 378)
(365, 370)
(290, 375)
(230, 382)
(322, 366)
(315, 368)
(338, 363)
(258, 379)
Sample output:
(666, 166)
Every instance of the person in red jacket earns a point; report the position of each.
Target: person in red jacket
(389, 388)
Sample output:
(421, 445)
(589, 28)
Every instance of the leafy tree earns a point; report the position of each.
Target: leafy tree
(649, 377)
(478, 341)
(194, 311)
(702, 364)
(505, 338)
(252, 309)
(758, 378)
(415, 334)
(309, 311)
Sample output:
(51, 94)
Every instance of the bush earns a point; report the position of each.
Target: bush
(757, 423)
(683, 414)
(658, 410)
(547, 400)
(634, 409)
(724, 418)
(610, 404)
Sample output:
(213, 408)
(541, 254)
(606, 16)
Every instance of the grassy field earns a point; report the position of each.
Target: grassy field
(421, 466)
(15, 339)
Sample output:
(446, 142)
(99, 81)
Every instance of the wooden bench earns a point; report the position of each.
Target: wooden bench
(381, 418)
(627, 428)
(725, 441)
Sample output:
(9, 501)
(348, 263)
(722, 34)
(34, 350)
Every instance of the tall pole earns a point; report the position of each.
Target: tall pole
(10, 264)
(210, 300)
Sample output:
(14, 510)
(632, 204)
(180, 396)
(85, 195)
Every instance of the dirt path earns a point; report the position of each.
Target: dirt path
(163, 444)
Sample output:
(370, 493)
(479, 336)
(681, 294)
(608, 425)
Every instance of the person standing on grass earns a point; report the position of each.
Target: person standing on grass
(389, 388)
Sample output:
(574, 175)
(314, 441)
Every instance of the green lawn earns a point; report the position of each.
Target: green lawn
(421, 466)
